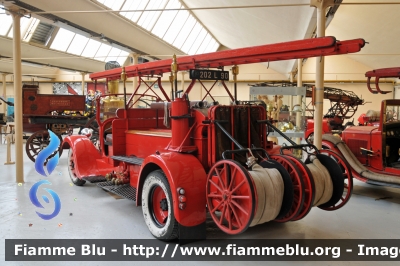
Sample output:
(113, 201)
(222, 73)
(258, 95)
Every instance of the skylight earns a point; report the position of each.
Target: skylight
(62, 40)
(91, 48)
(5, 22)
(178, 28)
(77, 44)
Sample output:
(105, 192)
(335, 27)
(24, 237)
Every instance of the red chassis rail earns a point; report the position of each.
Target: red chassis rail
(391, 72)
(264, 53)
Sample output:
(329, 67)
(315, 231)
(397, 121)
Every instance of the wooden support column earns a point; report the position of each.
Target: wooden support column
(19, 159)
(321, 6)
(135, 59)
(83, 74)
(4, 93)
(299, 98)
(291, 96)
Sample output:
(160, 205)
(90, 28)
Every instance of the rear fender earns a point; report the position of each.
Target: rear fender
(182, 171)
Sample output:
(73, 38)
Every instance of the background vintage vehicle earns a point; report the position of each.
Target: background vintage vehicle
(373, 148)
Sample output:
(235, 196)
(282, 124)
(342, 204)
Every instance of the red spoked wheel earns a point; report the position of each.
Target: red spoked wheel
(347, 179)
(231, 198)
(298, 187)
(308, 187)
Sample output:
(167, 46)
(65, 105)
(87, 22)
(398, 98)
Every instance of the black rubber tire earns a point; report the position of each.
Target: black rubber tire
(71, 166)
(168, 230)
(288, 192)
(336, 174)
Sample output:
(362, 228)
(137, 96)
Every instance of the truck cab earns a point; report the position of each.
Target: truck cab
(376, 143)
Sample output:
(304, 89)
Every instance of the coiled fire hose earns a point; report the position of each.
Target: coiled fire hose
(269, 190)
(322, 181)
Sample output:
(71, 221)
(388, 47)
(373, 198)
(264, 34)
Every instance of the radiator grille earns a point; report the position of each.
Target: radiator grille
(356, 144)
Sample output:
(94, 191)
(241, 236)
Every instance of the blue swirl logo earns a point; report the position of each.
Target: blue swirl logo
(33, 196)
(51, 164)
(46, 153)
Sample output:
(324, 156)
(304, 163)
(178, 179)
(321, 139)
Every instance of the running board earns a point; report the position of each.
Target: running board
(125, 191)
(94, 179)
(104, 184)
(380, 183)
(128, 159)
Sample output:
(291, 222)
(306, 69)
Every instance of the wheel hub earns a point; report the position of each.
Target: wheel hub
(43, 145)
(164, 205)
(226, 196)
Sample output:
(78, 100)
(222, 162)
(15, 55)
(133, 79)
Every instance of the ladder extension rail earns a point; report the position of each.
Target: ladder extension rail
(323, 46)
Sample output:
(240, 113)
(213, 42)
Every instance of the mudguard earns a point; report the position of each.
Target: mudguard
(86, 157)
(182, 171)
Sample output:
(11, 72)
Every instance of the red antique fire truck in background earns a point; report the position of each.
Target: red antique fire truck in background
(373, 148)
(180, 159)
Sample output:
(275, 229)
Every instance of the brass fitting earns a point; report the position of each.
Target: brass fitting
(123, 74)
(174, 66)
(235, 70)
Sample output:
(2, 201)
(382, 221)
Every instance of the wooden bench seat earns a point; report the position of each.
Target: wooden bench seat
(152, 132)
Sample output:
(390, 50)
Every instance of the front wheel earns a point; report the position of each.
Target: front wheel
(71, 170)
(157, 207)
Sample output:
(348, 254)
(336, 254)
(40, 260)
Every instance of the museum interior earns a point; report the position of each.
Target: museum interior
(185, 120)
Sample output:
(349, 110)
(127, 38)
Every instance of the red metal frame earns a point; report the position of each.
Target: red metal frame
(392, 72)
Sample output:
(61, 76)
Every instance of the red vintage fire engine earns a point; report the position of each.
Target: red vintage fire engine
(180, 159)
(373, 148)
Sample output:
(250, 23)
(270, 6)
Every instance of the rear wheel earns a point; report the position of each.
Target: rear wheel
(157, 207)
(71, 170)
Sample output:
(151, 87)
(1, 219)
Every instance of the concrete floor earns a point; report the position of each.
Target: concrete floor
(90, 213)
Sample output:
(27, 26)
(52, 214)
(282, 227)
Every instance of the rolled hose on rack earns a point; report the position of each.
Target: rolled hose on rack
(322, 182)
(269, 188)
(356, 165)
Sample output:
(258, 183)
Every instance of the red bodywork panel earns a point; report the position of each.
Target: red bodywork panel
(310, 127)
(35, 105)
(88, 160)
(362, 137)
(43, 104)
(182, 171)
